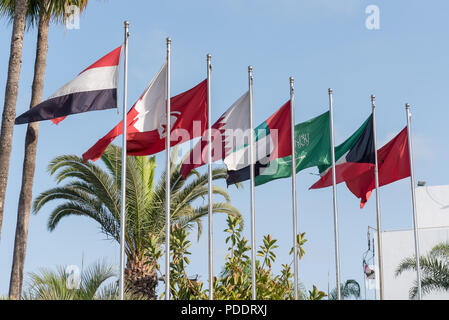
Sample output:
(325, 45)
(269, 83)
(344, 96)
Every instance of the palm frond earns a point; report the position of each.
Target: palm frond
(92, 279)
(94, 191)
(53, 285)
(434, 268)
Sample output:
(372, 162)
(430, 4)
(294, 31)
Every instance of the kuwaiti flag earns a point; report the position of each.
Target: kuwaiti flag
(147, 120)
(272, 141)
(228, 134)
(93, 89)
(353, 157)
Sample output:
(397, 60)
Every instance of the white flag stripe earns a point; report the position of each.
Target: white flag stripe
(240, 158)
(236, 121)
(341, 160)
(151, 106)
(102, 78)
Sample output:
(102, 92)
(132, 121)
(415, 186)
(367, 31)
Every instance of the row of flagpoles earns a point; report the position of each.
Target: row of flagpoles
(252, 185)
(96, 88)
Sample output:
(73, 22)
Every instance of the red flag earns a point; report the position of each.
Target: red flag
(394, 164)
(235, 120)
(146, 127)
(281, 122)
(188, 109)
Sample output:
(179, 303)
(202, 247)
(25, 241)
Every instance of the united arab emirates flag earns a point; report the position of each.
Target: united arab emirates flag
(353, 157)
(272, 141)
(312, 149)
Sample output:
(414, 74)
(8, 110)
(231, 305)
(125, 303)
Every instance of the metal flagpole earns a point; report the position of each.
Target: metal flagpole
(415, 217)
(379, 229)
(294, 204)
(167, 181)
(252, 175)
(123, 187)
(334, 182)
(210, 186)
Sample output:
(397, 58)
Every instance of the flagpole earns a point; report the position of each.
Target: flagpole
(379, 229)
(123, 187)
(252, 175)
(294, 203)
(415, 217)
(167, 181)
(334, 183)
(210, 185)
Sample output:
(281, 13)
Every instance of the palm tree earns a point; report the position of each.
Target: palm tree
(11, 93)
(95, 193)
(349, 289)
(40, 12)
(58, 285)
(434, 270)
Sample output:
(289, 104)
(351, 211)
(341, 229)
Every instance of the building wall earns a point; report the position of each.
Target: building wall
(433, 223)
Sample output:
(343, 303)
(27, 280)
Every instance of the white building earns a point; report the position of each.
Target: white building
(433, 228)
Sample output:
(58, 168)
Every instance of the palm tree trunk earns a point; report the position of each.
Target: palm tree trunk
(11, 93)
(29, 163)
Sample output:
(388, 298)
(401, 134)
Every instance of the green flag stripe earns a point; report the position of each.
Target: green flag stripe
(343, 148)
(312, 149)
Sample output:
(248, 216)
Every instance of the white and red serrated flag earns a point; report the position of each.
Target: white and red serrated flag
(228, 133)
(147, 119)
(93, 89)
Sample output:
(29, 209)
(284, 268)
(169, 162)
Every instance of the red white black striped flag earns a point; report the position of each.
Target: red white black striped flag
(93, 89)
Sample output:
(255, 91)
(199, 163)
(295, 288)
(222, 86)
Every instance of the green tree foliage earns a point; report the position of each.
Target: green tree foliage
(434, 270)
(234, 282)
(53, 285)
(97, 282)
(94, 192)
(348, 290)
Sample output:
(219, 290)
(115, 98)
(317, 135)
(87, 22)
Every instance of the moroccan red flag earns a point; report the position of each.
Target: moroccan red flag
(147, 124)
(394, 165)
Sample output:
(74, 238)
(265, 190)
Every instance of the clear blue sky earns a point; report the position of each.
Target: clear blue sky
(322, 43)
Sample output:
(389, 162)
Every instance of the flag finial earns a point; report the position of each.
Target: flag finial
(407, 106)
(126, 23)
(330, 91)
(168, 40)
(292, 80)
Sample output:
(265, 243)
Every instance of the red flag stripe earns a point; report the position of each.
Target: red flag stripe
(344, 172)
(281, 121)
(110, 60)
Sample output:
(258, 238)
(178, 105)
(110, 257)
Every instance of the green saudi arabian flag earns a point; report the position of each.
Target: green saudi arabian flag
(312, 149)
